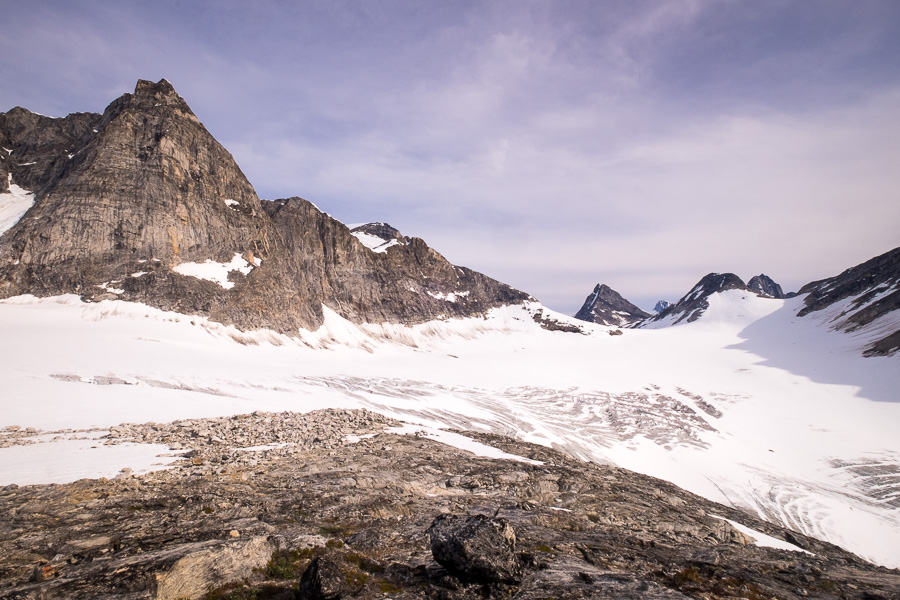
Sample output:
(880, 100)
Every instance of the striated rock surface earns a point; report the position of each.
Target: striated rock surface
(142, 204)
(606, 307)
(343, 508)
(408, 283)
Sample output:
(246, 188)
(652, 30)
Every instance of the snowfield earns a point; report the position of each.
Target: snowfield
(750, 405)
(13, 205)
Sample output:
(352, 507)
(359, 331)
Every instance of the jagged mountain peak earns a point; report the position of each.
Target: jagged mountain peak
(605, 306)
(155, 95)
(765, 286)
(661, 306)
(141, 203)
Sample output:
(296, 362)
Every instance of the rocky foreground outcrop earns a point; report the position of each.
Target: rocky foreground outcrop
(331, 504)
(142, 204)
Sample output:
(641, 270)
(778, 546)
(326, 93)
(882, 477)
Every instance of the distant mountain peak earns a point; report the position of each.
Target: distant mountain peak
(693, 304)
(661, 306)
(765, 286)
(605, 306)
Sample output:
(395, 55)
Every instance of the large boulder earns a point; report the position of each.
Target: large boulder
(323, 579)
(476, 548)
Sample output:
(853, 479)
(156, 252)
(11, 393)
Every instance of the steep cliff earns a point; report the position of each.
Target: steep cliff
(141, 203)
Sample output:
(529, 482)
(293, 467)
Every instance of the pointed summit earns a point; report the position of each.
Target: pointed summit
(142, 204)
(605, 306)
(154, 95)
(765, 286)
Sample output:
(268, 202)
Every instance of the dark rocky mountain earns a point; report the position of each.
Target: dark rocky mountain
(764, 286)
(606, 307)
(317, 515)
(135, 203)
(871, 291)
(692, 305)
(661, 306)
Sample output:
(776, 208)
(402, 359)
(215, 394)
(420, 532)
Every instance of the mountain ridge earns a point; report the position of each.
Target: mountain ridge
(126, 199)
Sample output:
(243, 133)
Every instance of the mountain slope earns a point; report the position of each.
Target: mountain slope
(692, 305)
(862, 299)
(142, 204)
(605, 306)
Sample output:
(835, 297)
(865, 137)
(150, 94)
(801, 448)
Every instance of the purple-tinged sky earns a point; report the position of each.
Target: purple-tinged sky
(552, 145)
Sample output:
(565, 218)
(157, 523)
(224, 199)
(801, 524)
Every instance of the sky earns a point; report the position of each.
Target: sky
(551, 145)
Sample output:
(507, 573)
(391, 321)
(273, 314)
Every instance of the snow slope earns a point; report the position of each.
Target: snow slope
(13, 205)
(749, 406)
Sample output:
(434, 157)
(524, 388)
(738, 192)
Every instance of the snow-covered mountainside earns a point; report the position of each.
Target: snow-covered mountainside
(863, 300)
(13, 204)
(749, 405)
(692, 305)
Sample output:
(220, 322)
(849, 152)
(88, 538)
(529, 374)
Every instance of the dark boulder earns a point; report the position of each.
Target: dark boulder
(476, 548)
(323, 579)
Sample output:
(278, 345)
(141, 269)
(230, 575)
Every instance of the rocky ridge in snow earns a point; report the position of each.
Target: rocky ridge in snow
(605, 306)
(765, 286)
(864, 299)
(692, 305)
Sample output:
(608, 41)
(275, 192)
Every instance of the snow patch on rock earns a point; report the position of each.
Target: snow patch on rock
(13, 205)
(215, 271)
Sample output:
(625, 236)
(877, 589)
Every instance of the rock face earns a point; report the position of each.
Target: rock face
(692, 305)
(142, 204)
(606, 307)
(764, 286)
(477, 548)
(351, 519)
(872, 290)
(661, 306)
